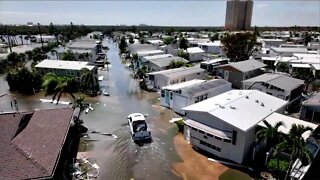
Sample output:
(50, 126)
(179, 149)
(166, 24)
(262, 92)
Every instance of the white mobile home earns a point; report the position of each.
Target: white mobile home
(212, 47)
(278, 85)
(195, 54)
(189, 95)
(225, 125)
(64, 68)
(166, 98)
(159, 79)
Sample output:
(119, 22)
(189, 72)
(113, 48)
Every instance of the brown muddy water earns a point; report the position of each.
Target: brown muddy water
(118, 158)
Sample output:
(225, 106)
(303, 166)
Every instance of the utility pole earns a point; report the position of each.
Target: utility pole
(40, 36)
(8, 39)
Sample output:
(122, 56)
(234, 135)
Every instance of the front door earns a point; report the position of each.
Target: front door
(167, 98)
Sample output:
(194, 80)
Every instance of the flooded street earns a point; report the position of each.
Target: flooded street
(118, 158)
(121, 158)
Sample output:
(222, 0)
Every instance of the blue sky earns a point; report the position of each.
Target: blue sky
(170, 13)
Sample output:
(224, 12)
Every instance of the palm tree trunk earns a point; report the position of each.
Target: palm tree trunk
(54, 96)
(289, 169)
(72, 95)
(59, 97)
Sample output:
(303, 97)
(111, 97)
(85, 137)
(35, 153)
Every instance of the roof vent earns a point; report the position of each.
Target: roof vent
(257, 101)
(231, 107)
(247, 97)
(262, 104)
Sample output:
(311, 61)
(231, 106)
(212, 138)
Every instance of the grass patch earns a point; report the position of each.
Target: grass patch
(231, 174)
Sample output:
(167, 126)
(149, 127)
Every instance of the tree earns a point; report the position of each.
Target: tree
(168, 40)
(176, 64)
(183, 54)
(214, 37)
(282, 67)
(294, 144)
(183, 43)
(24, 80)
(240, 46)
(68, 55)
(270, 134)
(122, 45)
(79, 102)
(15, 59)
(88, 80)
(307, 38)
(131, 40)
(55, 85)
(141, 41)
(21, 39)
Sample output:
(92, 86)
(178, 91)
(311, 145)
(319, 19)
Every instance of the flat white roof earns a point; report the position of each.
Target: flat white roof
(300, 65)
(159, 56)
(178, 72)
(61, 64)
(155, 41)
(147, 52)
(215, 43)
(195, 50)
(242, 109)
(287, 121)
(183, 84)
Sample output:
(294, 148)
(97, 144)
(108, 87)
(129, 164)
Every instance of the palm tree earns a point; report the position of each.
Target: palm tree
(21, 39)
(88, 80)
(55, 52)
(79, 102)
(294, 144)
(270, 134)
(57, 85)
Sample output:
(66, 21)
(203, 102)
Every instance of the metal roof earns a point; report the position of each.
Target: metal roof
(248, 65)
(164, 62)
(205, 86)
(287, 121)
(178, 72)
(242, 109)
(61, 64)
(183, 84)
(281, 81)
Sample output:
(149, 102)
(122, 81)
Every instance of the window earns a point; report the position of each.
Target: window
(210, 135)
(201, 132)
(218, 138)
(162, 93)
(171, 95)
(218, 149)
(227, 140)
(194, 129)
(205, 137)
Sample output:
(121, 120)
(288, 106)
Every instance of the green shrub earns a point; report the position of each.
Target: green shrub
(273, 165)
(180, 125)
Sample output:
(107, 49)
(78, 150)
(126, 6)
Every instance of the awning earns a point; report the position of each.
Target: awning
(209, 130)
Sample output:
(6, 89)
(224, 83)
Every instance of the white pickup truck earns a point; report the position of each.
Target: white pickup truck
(138, 127)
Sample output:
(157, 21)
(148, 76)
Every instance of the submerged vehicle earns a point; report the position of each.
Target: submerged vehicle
(138, 127)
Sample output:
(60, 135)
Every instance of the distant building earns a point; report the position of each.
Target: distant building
(238, 14)
(29, 23)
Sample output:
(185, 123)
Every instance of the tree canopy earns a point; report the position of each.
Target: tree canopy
(183, 43)
(239, 46)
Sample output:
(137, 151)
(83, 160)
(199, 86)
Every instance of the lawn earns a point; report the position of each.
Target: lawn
(231, 174)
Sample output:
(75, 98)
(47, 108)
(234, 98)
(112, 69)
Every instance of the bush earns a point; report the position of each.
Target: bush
(273, 165)
(180, 125)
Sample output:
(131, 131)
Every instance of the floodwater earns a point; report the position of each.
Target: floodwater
(118, 158)
(121, 158)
